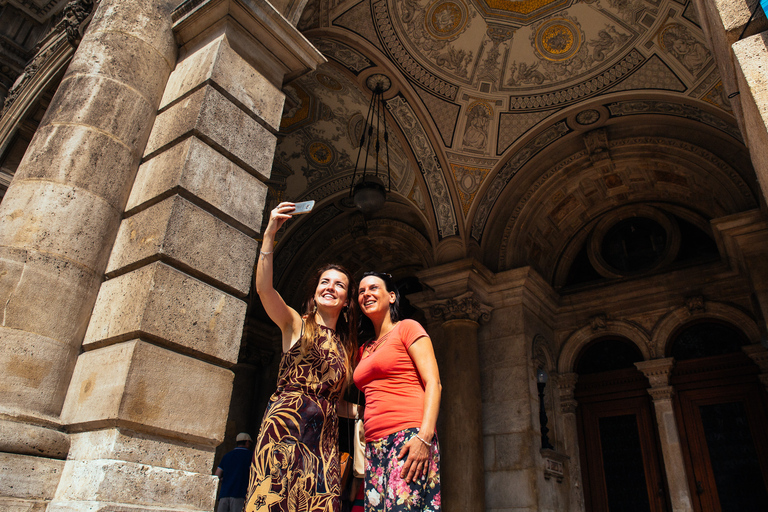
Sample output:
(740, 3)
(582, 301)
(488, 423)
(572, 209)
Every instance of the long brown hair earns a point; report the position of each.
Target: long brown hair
(346, 325)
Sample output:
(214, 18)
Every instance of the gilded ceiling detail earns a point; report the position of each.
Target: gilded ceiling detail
(429, 164)
(479, 76)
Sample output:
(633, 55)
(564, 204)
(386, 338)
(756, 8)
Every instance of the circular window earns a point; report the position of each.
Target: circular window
(632, 241)
(634, 245)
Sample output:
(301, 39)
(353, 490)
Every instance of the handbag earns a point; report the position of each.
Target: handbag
(358, 448)
(345, 461)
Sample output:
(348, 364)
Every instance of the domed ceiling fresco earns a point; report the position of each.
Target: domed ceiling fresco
(494, 101)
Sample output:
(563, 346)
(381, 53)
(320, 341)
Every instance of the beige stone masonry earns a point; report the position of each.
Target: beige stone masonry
(131, 446)
(752, 72)
(190, 238)
(108, 485)
(148, 389)
(264, 37)
(61, 213)
(170, 307)
(28, 478)
(209, 115)
(230, 192)
(219, 64)
(723, 22)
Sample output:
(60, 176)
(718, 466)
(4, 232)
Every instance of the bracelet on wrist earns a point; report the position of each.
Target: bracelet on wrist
(265, 254)
(429, 445)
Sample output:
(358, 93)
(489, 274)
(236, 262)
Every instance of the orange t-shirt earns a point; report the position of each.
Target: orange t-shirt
(394, 391)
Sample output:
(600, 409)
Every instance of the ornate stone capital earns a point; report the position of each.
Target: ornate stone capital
(657, 371)
(759, 355)
(661, 393)
(464, 306)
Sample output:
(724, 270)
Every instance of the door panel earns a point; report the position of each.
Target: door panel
(726, 447)
(620, 457)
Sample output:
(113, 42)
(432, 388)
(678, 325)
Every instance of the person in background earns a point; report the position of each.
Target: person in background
(233, 473)
(398, 373)
(296, 461)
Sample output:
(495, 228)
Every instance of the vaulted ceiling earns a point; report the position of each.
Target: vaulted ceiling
(518, 124)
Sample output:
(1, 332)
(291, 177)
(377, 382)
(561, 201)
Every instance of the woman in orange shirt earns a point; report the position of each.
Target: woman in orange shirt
(398, 373)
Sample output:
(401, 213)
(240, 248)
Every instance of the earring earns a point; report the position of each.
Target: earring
(344, 312)
(314, 307)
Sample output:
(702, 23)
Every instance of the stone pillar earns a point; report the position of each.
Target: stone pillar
(723, 23)
(149, 397)
(751, 60)
(461, 437)
(58, 221)
(567, 386)
(657, 371)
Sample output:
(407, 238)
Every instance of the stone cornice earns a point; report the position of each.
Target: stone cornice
(286, 48)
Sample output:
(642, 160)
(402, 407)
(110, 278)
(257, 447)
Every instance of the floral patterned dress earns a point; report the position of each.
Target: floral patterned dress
(295, 464)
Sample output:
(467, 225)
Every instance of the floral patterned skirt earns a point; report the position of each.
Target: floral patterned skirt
(385, 491)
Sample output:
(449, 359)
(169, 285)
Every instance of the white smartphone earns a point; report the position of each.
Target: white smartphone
(303, 207)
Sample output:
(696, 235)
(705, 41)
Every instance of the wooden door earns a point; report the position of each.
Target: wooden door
(620, 457)
(724, 438)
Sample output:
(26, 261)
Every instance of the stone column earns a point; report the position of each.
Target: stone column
(750, 61)
(461, 437)
(567, 386)
(58, 221)
(149, 397)
(657, 371)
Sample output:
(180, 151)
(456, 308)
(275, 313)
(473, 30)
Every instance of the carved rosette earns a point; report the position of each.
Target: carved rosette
(463, 307)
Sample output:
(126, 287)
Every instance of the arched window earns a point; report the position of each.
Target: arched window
(705, 339)
(608, 354)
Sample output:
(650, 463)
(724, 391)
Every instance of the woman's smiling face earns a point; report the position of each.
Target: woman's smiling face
(373, 296)
(332, 290)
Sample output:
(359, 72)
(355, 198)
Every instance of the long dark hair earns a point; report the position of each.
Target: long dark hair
(395, 314)
(346, 325)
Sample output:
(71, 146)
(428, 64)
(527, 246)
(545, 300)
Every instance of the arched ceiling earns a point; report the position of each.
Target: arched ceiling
(513, 121)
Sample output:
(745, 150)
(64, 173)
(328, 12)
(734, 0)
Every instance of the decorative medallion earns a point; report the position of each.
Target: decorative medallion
(328, 82)
(587, 117)
(446, 18)
(558, 39)
(468, 180)
(320, 153)
(378, 81)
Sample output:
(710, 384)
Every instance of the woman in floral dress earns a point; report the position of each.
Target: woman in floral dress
(295, 464)
(399, 376)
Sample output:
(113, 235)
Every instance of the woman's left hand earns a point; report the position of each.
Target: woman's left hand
(417, 463)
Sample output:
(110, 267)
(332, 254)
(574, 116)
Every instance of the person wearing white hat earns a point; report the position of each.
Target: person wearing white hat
(233, 472)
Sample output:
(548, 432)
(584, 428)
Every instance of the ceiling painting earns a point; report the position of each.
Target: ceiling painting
(322, 128)
(486, 86)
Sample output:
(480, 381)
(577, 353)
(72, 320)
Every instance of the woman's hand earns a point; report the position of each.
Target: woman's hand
(277, 217)
(417, 463)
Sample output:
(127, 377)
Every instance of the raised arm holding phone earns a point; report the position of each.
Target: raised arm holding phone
(296, 462)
